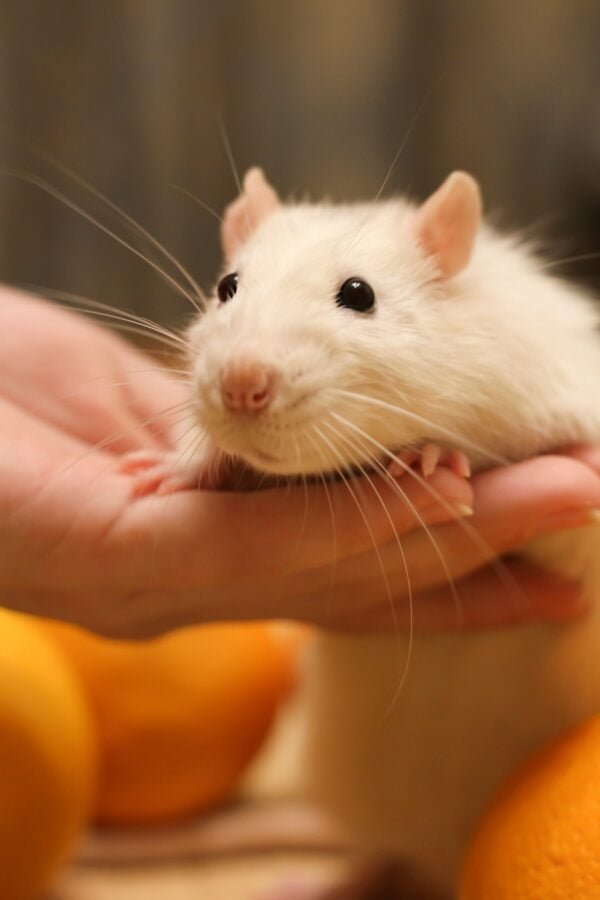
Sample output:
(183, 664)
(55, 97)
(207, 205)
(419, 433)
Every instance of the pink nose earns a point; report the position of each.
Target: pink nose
(247, 385)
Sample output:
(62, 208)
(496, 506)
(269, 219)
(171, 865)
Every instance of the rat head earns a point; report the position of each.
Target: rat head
(321, 321)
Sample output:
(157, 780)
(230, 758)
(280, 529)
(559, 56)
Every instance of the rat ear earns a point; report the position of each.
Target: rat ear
(256, 202)
(446, 224)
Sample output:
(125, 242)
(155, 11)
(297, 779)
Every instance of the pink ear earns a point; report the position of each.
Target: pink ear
(257, 201)
(446, 224)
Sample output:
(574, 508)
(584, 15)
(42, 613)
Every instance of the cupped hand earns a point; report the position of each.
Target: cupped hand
(464, 574)
(77, 544)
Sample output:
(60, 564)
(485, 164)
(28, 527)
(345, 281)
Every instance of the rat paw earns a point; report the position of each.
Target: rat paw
(164, 480)
(139, 461)
(155, 473)
(428, 458)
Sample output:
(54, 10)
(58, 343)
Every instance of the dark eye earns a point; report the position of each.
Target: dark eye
(356, 294)
(227, 287)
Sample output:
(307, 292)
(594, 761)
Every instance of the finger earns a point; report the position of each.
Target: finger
(481, 601)
(196, 537)
(513, 505)
(487, 602)
(535, 493)
(588, 454)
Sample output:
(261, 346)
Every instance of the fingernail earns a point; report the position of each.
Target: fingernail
(463, 510)
(571, 518)
(447, 506)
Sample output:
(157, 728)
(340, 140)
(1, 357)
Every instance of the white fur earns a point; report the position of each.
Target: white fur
(501, 358)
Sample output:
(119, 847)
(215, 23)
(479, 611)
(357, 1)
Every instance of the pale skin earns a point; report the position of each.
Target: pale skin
(76, 543)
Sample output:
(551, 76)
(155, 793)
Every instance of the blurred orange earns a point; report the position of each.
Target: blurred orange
(47, 758)
(179, 718)
(540, 838)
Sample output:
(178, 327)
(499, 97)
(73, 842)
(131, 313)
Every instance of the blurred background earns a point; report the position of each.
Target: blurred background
(130, 94)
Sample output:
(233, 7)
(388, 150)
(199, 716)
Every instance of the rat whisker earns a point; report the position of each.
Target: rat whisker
(125, 217)
(197, 200)
(106, 381)
(303, 479)
(81, 303)
(357, 449)
(92, 385)
(409, 131)
(392, 165)
(100, 446)
(194, 446)
(74, 207)
(336, 454)
(119, 319)
(440, 429)
(121, 326)
(137, 330)
(315, 444)
(261, 480)
(437, 549)
(189, 452)
(234, 169)
(213, 462)
(489, 556)
(580, 257)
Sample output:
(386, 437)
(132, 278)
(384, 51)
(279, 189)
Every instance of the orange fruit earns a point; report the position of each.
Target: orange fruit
(540, 837)
(47, 758)
(178, 718)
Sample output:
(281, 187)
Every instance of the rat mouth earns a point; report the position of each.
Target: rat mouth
(264, 457)
(283, 458)
(239, 472)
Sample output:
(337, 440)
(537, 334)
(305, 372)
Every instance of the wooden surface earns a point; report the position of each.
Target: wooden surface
(235, 879)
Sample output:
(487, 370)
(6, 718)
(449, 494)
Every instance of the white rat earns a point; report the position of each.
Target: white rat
(345, 335)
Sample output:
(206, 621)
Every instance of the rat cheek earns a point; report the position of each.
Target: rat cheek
(195, 334)
(205, 395)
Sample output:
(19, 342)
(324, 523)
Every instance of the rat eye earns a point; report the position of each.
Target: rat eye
(356, 294)
(227, 287)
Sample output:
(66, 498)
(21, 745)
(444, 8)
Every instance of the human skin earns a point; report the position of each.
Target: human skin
(77, 544)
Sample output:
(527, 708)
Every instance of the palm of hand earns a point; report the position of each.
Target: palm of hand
(72, 397)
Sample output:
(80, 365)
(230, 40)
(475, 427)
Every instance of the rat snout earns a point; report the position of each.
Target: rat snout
(247, 385)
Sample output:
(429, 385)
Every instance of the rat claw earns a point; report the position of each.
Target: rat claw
(148, 482)
(138, 461)
(459, 463)
(401, 462)
(179, 481)
(395, 469)
(155, 473)
(430, 457)
(163, 480)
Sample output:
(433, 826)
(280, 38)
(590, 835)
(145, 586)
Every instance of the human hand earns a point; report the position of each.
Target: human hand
(76, 543)
(457, 578)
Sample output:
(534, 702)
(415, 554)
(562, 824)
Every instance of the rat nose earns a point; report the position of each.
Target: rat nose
(247, 385)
